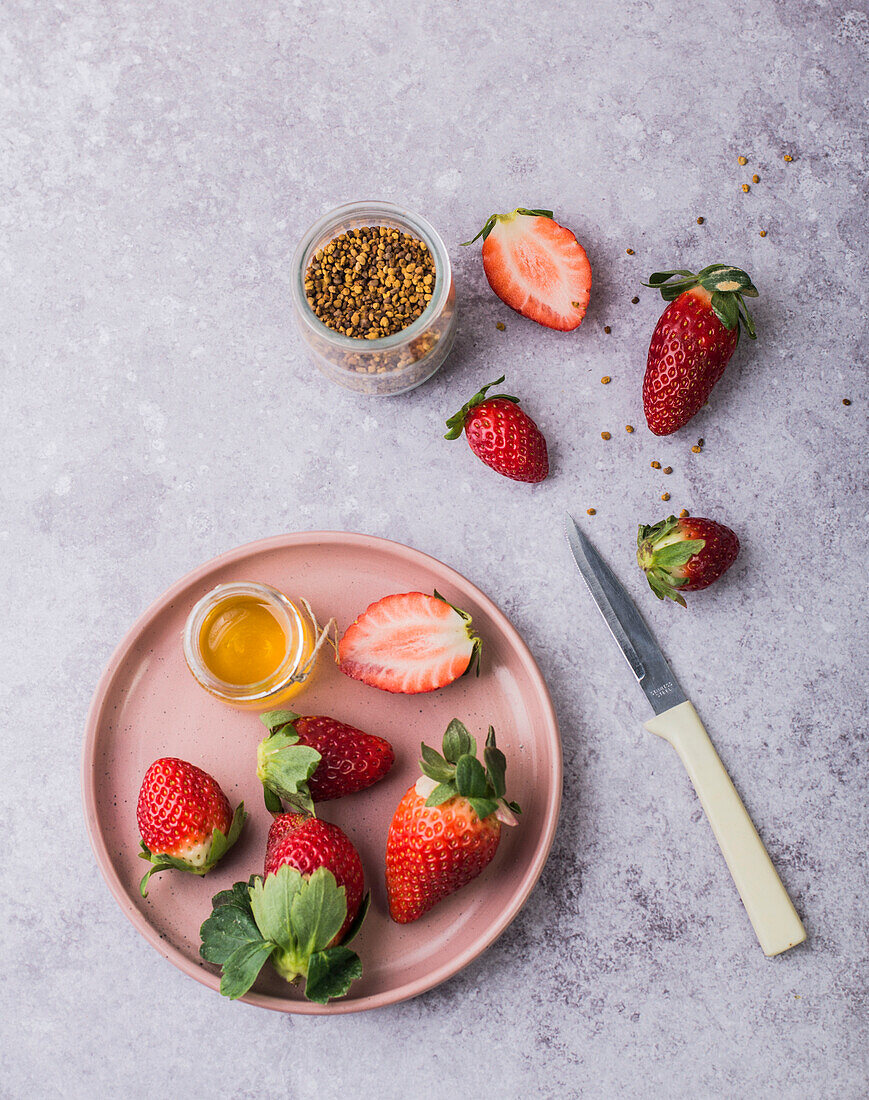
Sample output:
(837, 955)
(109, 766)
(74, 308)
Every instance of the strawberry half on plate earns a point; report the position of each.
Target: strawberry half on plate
(409, 643)
(537, 267)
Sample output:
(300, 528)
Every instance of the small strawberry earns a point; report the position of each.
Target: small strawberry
(537, 267)
(409, 643)
(693, 341)
(684, 555)
(502, 435)
(301, 914)
(184, 818)
(447, 827)
(308, 758)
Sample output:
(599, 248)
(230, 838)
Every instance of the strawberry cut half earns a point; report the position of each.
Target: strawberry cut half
(537, 267)
(409, 643)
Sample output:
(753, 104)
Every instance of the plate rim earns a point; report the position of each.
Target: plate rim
(172, 953)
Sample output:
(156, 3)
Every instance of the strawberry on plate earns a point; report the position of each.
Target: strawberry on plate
(184, 819)
(301, 914)
(537, 267)
(693, 341)
(313, 758)
(502, 435)
(684, 555)
(447, 827)
(409, 643)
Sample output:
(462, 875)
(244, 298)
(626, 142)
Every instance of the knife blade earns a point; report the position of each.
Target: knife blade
(620, 614)
(772, 914)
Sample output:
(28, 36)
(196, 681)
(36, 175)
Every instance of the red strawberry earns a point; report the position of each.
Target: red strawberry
(502, 435)
(409, 643)
(447, 827)
(308, 759)
(537, 267)
(306, 843)
(184, 818)
(685, 555)
(693, 341)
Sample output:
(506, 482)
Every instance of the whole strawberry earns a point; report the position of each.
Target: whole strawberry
(693, 341)
(184, 818)
(301, 914)
(312, 758)
(502, 435)
(448, 825)
(684, 555)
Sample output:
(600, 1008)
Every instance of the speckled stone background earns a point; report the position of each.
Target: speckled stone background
(159, 163)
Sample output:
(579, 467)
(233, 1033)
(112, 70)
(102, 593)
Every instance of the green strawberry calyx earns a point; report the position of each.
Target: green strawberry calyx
(218, 847)
(456, 423)
(473, 636)
(291, 919)
(458, 772)
(729, 287)
(493, 220)
(284, 765)
(662, 553)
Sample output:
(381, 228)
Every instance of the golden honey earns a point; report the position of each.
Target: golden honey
(249, 645)
(241, 641)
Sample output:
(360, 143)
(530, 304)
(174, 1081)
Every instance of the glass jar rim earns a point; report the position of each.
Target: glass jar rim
(372, 208)
(285, 612)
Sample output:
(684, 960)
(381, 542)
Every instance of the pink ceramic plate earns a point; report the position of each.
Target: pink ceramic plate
(148, 705)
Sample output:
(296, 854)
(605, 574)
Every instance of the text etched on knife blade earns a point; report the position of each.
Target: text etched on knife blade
(664, 689)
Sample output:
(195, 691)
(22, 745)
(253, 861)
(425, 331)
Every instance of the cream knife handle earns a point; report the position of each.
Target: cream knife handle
(769, 908)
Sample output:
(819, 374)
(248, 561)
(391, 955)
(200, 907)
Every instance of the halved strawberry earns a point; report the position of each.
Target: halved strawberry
(537, 267)
(409, 643)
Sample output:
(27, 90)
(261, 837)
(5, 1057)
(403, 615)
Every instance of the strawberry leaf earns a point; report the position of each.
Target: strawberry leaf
(232, 940)
(457, 741)
(443, 792)
(482, 807)
(677, 553)
(271, 903)
(496, 765)
(221, 844)
(237, 894)
(230, 926)
(242, 967)
(272, 802)
(434, 766)
(274, 719)
(471, 778)
(331, 973)
(725, 308)
(318, 911)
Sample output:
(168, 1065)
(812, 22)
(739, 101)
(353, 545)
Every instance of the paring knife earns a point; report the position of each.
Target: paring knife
(769, 908)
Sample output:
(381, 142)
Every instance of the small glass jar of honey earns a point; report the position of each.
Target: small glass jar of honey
(249, 645)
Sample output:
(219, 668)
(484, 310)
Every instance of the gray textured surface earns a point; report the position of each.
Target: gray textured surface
(158, 166)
